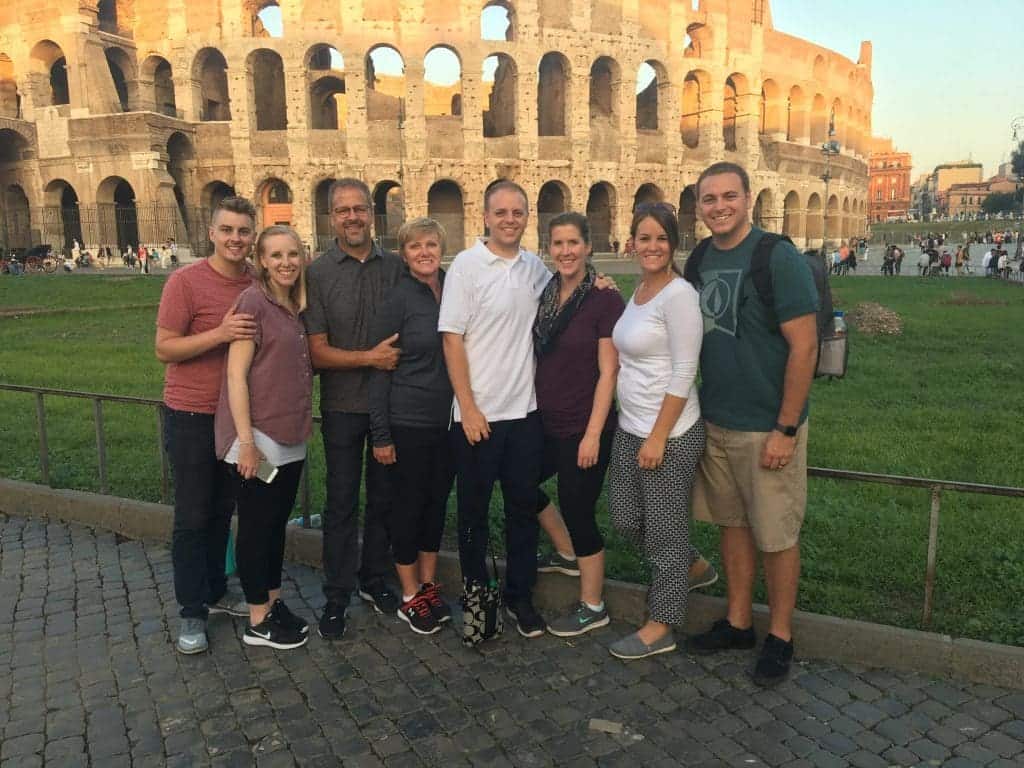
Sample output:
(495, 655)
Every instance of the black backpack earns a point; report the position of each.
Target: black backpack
(761, 275)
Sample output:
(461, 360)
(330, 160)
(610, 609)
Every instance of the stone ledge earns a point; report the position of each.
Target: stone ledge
(822, 637)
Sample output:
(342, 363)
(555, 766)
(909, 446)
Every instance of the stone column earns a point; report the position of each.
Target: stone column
(355, 96)
(414, 129)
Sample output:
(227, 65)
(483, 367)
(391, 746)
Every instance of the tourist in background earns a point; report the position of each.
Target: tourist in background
(264, 418)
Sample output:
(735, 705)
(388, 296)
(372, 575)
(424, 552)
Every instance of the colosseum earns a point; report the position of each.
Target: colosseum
(122, 121)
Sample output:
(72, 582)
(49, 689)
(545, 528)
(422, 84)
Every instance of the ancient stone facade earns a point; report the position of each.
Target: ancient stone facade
(124, 120)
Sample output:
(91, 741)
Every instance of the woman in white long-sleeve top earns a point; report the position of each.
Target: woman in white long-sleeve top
(660, 434)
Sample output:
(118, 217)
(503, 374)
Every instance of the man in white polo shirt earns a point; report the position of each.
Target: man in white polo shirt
(487, 313)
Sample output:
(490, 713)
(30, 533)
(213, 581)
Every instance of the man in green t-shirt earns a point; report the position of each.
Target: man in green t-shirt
(756, 363)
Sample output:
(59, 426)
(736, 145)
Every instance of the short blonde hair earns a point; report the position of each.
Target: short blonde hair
(298, 291)
(411, 229)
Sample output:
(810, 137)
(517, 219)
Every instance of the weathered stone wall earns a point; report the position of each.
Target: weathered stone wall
(728, 86)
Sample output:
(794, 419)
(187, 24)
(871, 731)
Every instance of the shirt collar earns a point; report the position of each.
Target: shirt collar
(341, 254)
(490, 258)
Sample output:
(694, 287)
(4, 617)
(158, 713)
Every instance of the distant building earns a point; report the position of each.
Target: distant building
(888, 182)
(946, 175)
(1006, 170)
(965, 200)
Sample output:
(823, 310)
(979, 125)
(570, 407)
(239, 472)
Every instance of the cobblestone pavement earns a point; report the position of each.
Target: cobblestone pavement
(90, 679)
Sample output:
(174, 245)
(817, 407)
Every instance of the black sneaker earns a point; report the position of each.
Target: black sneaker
(438, 607)
(380, 597)
(528, 621)
(288, 619)
(332, 622)
(417, 614)
(722, 636)
(773, 665)
(272, 634)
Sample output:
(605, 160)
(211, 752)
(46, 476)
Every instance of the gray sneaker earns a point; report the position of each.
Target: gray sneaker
(708, 575)
(232, 604)
(555, 563)
(192, 636)
(632, 647)
(581, 619)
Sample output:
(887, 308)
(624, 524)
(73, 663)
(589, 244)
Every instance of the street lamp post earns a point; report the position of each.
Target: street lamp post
(829, 149)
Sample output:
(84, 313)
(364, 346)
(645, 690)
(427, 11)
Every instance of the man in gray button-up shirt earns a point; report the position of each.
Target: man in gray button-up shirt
(345, 287)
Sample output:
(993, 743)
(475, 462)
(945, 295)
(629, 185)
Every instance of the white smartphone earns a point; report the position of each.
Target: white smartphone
(266, 471)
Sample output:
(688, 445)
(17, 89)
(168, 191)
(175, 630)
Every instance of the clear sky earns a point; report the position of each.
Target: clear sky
(948, 74)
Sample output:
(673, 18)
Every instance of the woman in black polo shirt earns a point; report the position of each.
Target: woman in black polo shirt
(410, 409)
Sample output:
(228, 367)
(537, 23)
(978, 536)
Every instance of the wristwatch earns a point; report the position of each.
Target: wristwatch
(788, 431)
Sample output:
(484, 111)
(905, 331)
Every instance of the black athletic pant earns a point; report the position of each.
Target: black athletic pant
(421, 480)
(578, 489)
(263, 511)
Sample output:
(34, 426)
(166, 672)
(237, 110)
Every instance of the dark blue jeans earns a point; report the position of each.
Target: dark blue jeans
(203, 503)
(346, 443)
(512, 456)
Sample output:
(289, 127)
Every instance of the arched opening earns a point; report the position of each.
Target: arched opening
(181, 166)
(211, 71)
(694, 87)
(847, 222)
(688, 218)
(106, 16)
(647, 194)
(442, 76)
(322, 210)
(815, 220)
(552, 95)
(63, 219)
(17, 219)
(157, 70)
(500, 81)
(820, 70)
(48, 58)
(791, 222)
(117, 215)
(388, 213)
(838, 122)
(833, 222)
(763, 216)
(696, 39)
(497, 22)
(328, 103)
(264, 17)
(385, 85)
(275, 198)
(819, 120)
(444, 204)
(10, 100)
(796, 115)
(552, 200)
(648, 78)
(772, 117)
(214, 192)
(605, 81)
(122, 73)
(601, 215)
(730, 109)
(12, 147)
(266, 70)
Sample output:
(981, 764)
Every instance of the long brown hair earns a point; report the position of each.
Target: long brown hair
(298, 291)
(665, 216)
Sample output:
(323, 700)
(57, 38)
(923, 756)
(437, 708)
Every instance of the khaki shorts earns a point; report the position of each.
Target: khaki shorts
(734, 491)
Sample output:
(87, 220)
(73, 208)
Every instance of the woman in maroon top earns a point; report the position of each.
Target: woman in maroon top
(263, 421)
(576, 368)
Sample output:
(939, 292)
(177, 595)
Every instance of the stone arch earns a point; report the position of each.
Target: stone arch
(210, 70)
(833, 221)
(273, 202)
(213, 193)
(819, 120)
(601, 204)
(10, 99)
(266, 73)
(604, 84)
(48, 57)
(792, 222)
(325, 74)
(445, 203)
(123, 72)
(696, 87)
(262, 18)
(16, 221)
(796, 115)
(819, 70)
(651, 109)
(733, 92)
(553, 199)
(837, 122)
(499, 118)
(498, 21)
(688, 218)
(847, 220)
(553, 96)
(442, 79)
(388, 212)
(763, 214)
(157, 77)
(13, 148)
(385, 84)
(773, 118)
(63, 221)
(648, 193)
(117, 216)
(697, 40)
(815, 220)
(181, 158)
(323, 232)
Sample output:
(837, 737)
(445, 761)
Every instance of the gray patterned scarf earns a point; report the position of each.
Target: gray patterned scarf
(551, 320)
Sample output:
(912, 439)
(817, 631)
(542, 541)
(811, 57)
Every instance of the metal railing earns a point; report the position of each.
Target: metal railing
(936, 487)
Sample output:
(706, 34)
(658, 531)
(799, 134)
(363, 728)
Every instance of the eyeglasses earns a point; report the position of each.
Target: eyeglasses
(358, 210)
(658, 206)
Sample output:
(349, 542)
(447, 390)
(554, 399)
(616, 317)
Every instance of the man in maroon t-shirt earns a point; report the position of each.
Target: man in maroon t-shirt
(195, 324)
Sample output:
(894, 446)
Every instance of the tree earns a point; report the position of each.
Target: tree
(1017, 160)
(999, 202)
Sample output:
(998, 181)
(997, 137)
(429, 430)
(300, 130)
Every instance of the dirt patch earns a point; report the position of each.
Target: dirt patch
(965, 299)
(33, 311)
(875, 320)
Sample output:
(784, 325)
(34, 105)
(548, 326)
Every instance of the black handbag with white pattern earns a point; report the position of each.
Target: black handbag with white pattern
(482, 617)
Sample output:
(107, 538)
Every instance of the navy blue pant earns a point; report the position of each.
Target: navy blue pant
(511, 456)
(203, 502)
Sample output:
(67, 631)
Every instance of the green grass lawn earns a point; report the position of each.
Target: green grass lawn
(942, 400)
(900, 232)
